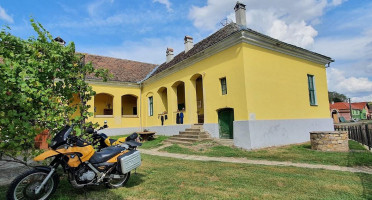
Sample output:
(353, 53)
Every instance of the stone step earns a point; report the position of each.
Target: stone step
(192, 132)
(193, 129)
(197, 126)
(185, 139)
(186, 136)
(179, 142)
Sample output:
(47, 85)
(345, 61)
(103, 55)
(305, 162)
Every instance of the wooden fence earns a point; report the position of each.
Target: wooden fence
(361, 133)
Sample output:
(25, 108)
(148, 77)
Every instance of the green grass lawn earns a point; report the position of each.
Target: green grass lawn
(293, 153)
(168, 178)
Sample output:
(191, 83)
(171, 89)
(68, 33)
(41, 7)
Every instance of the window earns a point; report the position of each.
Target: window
(312, 94)
(223, 85)
(151, 107)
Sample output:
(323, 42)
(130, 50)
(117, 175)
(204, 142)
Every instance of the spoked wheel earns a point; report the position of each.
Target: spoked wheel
(118, 180)
(25, 185)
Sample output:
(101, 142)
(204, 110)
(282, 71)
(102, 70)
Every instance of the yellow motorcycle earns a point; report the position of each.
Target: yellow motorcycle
(101, 140)
(84, 166)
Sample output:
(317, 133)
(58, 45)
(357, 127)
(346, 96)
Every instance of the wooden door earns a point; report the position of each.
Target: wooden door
(225, 122)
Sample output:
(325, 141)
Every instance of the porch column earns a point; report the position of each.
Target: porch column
(117, 110)
(191, 104)
(172, 104)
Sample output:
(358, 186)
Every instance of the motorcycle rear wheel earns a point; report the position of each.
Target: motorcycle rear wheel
(115, 183)
(24, 186)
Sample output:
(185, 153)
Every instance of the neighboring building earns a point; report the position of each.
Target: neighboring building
(359, 111)
(239, 83)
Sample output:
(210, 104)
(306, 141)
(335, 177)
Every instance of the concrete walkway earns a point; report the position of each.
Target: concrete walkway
(156, 152)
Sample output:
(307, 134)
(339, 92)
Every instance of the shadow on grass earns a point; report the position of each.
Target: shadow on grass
(65, 191)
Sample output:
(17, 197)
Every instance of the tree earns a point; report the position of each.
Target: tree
(336, 97)
(38, 78)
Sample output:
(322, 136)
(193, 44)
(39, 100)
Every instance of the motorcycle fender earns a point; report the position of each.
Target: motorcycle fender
(43, 168)
(45, 155)
(115, 158)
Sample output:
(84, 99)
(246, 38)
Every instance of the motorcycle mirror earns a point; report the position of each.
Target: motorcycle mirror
(89, 130)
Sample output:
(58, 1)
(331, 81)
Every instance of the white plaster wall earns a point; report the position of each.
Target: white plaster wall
(253, 134)
(212, 129)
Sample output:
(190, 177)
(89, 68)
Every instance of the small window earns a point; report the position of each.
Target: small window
(312, 94)
(151, 107)
(223, 85)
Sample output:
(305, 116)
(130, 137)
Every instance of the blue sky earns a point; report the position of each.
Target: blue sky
(142, 30)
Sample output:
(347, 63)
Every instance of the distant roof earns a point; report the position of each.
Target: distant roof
(217, 37)
(359, 105)
(345, 106)
(122, 70)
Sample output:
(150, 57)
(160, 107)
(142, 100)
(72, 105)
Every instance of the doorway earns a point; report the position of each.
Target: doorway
(225, 123)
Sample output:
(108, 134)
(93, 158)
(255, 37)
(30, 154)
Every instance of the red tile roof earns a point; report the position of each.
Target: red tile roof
(122, 70)
(339, 106)
(359, 105)
(345, 106)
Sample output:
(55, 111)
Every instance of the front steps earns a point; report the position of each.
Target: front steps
(191, 135)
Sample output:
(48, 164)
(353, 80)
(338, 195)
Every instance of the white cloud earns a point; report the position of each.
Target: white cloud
(96, 8)
(166, 3)
(150, 50)
(353, 48)
(337, 2)
(350, 85)
(4, 16)
(367, 98)
(286, 20)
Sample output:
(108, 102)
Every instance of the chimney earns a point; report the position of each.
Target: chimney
(170, 54)
(188, 43)
(240, 14)
(60, 41)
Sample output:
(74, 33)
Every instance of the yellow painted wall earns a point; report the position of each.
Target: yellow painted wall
(277, 87)
(227, 63)
(117, 120)
(260, 83)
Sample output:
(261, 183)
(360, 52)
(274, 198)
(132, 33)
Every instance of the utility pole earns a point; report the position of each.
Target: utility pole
(351, 114)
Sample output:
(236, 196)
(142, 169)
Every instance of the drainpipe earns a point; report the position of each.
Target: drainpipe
(140, 83)
(140, 107)
(351, 114)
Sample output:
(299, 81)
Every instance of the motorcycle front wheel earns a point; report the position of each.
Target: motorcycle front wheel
(24, 186)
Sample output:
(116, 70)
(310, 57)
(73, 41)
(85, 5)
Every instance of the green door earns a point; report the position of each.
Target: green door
(225, 122)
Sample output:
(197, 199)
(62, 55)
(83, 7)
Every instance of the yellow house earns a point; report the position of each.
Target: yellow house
(237, 83)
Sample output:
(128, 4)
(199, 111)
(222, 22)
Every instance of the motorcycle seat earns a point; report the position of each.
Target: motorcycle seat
(105, 154)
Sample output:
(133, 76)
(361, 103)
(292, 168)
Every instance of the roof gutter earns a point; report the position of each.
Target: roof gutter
(148, 75)
(141, 84)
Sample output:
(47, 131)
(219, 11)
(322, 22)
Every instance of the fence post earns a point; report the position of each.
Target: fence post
(368, 137)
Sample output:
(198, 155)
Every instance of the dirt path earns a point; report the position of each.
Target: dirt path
(156, 152)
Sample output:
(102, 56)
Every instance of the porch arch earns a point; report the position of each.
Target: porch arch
(179, 89)
(103, 104)
(129, 105)
(163, 94)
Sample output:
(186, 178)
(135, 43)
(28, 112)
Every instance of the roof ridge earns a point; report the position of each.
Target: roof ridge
(117, 58)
